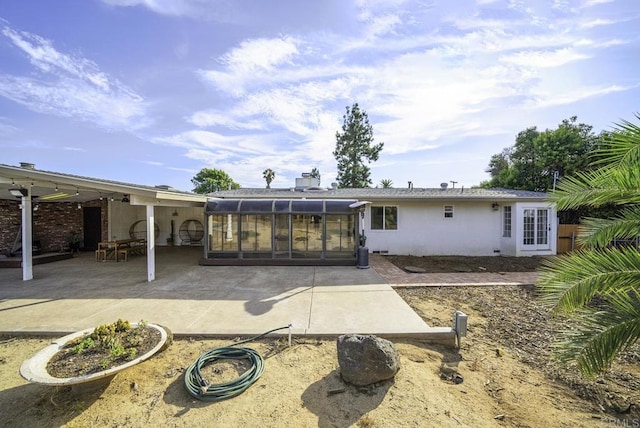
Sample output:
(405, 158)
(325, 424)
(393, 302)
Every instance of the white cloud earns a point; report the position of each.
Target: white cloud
(75, 99)
(219, 10)
(544, 59)
(70, 86)
(596, 22)
(74, 149)
(253, 61)
(43, 55)
(213, 118)
(260, 54)
(591, 3)
(544, 99)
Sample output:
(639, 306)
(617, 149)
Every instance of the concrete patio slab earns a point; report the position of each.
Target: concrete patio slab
(79, 293)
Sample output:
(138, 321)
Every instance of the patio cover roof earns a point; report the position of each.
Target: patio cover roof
(279, 206)
(48, 186)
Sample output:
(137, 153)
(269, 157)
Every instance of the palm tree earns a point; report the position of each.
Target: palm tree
(599, 286)
(386, 183)
(268, 175)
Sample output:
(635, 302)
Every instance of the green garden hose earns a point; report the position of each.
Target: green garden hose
(200, 388)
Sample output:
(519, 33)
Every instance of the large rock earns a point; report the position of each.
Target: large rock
(366, 359)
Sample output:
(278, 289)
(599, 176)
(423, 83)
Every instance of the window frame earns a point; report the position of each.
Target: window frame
(507, 221)
(384, 209)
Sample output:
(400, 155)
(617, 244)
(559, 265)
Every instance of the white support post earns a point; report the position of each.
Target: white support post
(27, 239)
(151, 244)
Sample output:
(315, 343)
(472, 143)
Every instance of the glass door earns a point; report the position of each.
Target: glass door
(536, 228)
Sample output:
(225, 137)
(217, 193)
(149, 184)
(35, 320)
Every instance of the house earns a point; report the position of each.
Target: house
(314, 225)
(306, 224)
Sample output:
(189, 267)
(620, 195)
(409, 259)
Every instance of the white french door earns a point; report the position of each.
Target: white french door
(536, 229)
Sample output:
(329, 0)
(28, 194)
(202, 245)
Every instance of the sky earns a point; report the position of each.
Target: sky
(151, 91)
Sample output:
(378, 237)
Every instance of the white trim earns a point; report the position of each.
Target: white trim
(151, 244)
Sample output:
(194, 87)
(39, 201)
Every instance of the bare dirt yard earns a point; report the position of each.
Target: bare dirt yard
(505, 365)
(445, 264)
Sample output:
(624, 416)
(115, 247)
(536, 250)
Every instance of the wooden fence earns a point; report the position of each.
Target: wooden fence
(567, 238)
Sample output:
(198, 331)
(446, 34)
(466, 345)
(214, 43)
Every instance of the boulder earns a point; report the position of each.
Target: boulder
(366, 359)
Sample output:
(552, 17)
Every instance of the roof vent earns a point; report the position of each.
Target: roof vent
(314, 189)
(334, 186)
(443, 186)
(163, 186)
(27, 165)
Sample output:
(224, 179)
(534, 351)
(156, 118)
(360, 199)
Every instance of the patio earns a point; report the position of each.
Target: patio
(80, 293)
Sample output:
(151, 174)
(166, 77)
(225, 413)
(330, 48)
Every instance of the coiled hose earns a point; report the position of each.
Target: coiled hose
(200, 388)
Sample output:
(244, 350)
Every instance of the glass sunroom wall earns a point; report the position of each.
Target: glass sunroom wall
(281, 236)
(223, 235)
(307, 243)
(339, 236)
(255, 231)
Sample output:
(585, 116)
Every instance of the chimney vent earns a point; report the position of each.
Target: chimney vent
(334, 185)
(27, 165)
(443, 186)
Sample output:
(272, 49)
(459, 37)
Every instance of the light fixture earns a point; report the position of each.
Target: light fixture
(77, 192)
(175, 213)
(495, 206)
(32, 184)
(125, 198)
(56, 189)
(79, 205)
(13, 183)
(18, 191)
(112, 199)
(101, 196)
(35, 208)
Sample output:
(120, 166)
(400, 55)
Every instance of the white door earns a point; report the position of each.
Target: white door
(536, 229)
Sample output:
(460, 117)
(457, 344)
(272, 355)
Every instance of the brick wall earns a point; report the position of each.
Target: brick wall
(53, 222)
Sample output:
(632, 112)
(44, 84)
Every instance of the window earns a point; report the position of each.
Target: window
(448, 211)
(384, 218)
(506, 221)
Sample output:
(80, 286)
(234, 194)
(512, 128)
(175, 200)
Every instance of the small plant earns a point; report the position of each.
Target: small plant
(85, 344)
(104, 330)
(122, 325)
(104, 363)
(117, 350)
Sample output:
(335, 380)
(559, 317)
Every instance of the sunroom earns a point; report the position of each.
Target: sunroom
(280, 232)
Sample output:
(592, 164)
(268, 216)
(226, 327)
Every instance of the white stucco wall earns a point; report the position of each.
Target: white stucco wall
(474, 230)
(123, 215)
